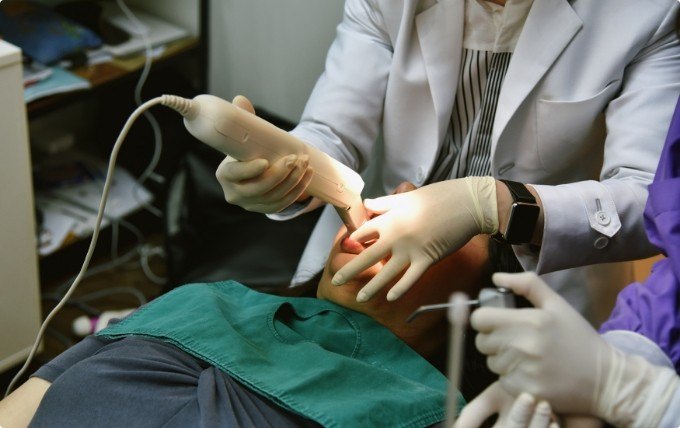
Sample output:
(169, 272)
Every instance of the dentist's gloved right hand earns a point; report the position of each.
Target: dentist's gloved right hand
(551, 352)
(418, 228)
(258, 186)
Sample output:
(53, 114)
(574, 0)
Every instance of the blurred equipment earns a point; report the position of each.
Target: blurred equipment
(84, 325)
(158, 31)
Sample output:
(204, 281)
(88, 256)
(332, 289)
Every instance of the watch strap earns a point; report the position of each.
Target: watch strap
(519, 192)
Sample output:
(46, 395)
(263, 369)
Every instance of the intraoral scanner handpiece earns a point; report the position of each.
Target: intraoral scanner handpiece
(244, 136)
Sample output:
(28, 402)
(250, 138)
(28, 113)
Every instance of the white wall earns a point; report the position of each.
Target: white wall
(271, 51)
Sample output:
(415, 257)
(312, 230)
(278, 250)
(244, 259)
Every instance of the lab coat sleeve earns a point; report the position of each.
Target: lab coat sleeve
(636, 344)
(593, 222)
(343, 114)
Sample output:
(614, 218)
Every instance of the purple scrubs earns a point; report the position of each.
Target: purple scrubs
(652, 309)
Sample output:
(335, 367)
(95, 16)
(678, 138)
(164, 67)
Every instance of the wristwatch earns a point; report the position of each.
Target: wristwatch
(523, 215)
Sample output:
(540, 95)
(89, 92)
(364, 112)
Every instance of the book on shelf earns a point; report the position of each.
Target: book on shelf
(60, 81)
(34, 72)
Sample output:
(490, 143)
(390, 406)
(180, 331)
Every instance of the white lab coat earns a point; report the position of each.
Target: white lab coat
(585, 105)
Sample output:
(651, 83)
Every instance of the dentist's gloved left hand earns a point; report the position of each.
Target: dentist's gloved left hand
(418, 228)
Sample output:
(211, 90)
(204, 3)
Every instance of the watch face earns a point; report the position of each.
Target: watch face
(521, 223)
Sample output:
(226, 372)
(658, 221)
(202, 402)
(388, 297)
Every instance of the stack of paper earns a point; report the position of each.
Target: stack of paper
(70, 210)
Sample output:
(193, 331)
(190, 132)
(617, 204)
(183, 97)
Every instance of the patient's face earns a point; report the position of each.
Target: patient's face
(465, 270)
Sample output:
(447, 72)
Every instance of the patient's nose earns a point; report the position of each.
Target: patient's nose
(351, 246)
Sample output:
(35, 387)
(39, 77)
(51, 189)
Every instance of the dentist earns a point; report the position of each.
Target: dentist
(573, 97)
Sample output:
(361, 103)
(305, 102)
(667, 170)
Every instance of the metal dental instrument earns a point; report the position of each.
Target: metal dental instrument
(458, 315)
(488, 297)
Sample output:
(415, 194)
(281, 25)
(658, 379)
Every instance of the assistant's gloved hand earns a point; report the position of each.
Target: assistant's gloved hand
(258, 186)
(418, 228)
(551, 352)
(520, 412)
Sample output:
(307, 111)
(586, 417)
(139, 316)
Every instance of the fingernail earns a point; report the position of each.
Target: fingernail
(391, 297)
(362, 297)
(543, 408)
(499, 277)
(290, 162)
(526, 398)
(304, 161)
(337, 280)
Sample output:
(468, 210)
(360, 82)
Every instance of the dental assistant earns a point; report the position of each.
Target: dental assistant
(574, 97)
(628, 376)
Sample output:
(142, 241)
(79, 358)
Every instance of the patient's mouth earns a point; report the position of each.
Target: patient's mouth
(351, 246)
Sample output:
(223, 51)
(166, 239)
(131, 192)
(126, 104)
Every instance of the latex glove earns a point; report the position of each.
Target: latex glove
(418, 228)
(551, 352)
(520, 412)
(258, 186)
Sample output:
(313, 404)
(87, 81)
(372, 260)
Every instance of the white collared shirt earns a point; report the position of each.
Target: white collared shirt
(494, 28)
(490, 35)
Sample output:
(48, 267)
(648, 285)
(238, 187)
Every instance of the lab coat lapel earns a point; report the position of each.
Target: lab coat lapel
(440, 33)
(549, 28)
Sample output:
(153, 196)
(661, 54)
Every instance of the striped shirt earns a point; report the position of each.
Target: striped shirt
(490, 35)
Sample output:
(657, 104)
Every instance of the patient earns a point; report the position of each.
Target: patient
(224, 355)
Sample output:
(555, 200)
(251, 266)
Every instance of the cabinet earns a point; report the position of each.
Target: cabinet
(19, 288)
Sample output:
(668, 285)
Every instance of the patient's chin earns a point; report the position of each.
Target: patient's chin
(345, 294)
(339, 260)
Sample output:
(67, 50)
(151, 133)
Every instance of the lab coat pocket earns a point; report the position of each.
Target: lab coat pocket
(570, 134)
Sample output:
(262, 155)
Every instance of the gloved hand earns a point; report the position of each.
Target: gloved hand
(520, 412)
(551, 352)
(418, 228)
(258, 186)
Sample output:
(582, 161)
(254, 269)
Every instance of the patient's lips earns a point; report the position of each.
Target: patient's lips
(351, 246)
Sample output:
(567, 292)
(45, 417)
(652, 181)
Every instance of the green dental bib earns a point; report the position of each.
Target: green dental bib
(333, 365)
